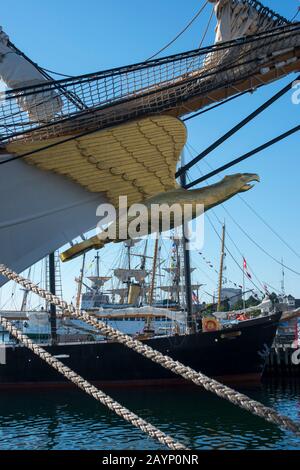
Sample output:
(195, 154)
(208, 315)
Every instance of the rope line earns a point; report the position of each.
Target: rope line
(269, 227)
(180, 33)
(229, 236)
(206, 29)
(215, 106)
(57, 73)
(245, 156)
(90, 389)
(152, 85)
(167, 362)
(259, 246)
(296, 14)
(237, 128)
(246, 233)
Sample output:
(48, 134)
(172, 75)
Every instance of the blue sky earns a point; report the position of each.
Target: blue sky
(76, 37)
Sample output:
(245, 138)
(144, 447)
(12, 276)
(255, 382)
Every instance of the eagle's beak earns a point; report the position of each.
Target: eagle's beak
(249, 179)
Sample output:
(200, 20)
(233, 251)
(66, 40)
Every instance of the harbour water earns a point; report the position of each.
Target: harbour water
(67, 419)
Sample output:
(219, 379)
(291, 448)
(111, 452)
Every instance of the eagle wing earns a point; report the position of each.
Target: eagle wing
(137, 159)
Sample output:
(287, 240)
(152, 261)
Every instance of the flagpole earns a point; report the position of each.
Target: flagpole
(221, 269)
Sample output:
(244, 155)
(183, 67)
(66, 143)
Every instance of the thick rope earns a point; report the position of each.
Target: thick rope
(167, 362)
(91, 390)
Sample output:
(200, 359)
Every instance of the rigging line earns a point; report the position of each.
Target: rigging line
(262, 8)
(180, 33)
(228, 251)
(226, 100)
(205, 274)
(255, 212)
(229, 298)
(236, 128)
(228, 234)
(269, 226)
(126, 100)
(296, 14)
(241, 254)
(259, 246)
(254, 38)
(248, 236)
(231, 239)
(244, 157)
(272, 287)
(69, 95)
(230, 281)
(207, 28)
(57, 73)
(86, 133)
(231, 255)
(47, 147)
(96, 109)
(237, 248)
(215, 106)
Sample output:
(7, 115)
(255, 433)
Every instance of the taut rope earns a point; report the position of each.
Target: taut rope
(91, 390)
(167, 362)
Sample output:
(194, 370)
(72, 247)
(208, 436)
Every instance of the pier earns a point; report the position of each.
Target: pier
(283, 361)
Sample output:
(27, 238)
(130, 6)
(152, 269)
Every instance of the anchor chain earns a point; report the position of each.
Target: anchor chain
(167, 362)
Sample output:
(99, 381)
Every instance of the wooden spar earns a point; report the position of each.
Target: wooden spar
(144, 256)
(153, 271)
(286, 316)
(221, 269)
(25, 295)
(97, 264)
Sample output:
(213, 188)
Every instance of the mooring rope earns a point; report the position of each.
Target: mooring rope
(91, 390)
(167, 362)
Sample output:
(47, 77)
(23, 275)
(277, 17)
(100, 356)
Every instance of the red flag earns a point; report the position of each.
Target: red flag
(246, 268)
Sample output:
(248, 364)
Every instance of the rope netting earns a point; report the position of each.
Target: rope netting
(265, 11)
(99, 100)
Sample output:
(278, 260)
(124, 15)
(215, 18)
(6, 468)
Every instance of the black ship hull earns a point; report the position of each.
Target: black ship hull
(235, 355)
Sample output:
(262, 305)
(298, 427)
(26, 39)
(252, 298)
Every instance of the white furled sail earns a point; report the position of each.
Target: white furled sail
(124, 275)
(16, 72)
(237, 18)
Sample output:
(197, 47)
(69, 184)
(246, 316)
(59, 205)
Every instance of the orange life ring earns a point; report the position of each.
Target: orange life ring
(242, 317)
(210, 324)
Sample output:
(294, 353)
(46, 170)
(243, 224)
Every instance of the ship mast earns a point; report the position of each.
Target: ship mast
(80, 283)
(187, 264)
(221, 268)
(26, 293)
(97, 264)
(153, 271)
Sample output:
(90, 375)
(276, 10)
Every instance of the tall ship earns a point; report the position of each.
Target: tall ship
(229, 346)
(75, 144)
